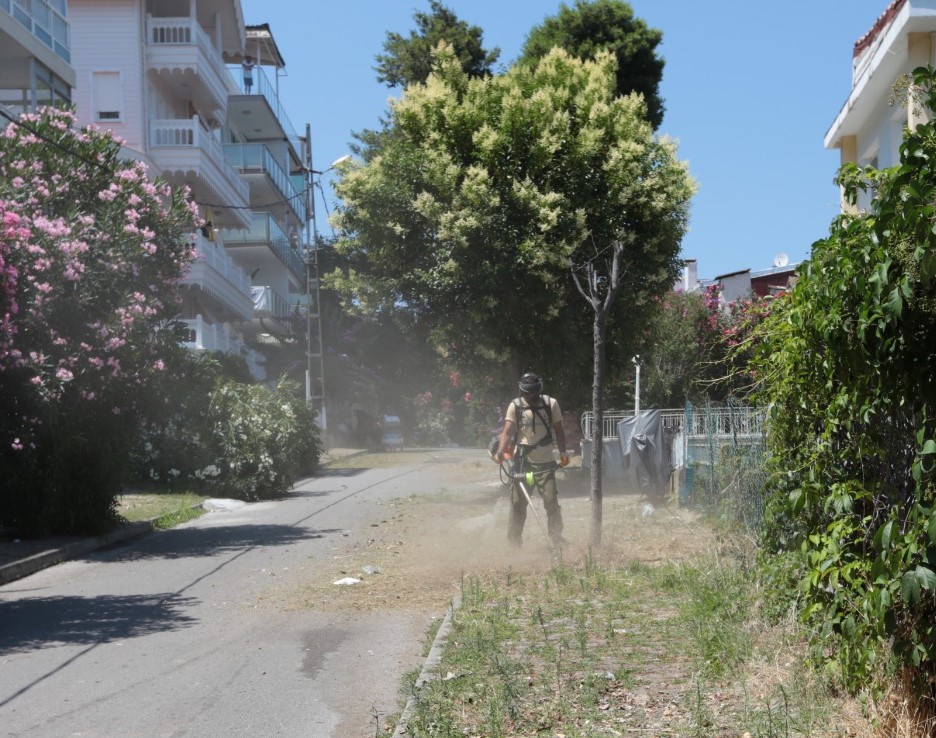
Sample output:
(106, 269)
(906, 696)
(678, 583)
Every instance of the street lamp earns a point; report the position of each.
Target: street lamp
(636, 361)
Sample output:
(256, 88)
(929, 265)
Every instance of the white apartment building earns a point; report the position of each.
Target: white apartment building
(166, 77)
(869, 129)
(35, 55)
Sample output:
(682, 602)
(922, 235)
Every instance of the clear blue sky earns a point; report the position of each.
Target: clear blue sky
(750, 91)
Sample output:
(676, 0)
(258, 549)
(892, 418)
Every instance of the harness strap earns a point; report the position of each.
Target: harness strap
(537, 411)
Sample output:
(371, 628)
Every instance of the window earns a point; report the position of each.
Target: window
(106, 95)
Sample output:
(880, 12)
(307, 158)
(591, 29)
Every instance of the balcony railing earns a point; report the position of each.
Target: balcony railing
(723, 421)
(265, 230)
(263, 86)
(185, 32)
(215, 272)
(256, 157)
(268, 301)
(44, 19)
(188, 132)
(204, 336)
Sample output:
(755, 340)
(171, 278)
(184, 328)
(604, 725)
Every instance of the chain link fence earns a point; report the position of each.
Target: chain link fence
(724, 468)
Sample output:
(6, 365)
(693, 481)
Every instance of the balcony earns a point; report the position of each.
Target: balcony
(187, 153)
(181, 55)
(268, 303)
(267, 122)
(271, 184)
(204, 336)
(215, 273)
(265, 236)
(44, 19)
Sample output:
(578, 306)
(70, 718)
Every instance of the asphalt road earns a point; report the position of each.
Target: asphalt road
(170, 635)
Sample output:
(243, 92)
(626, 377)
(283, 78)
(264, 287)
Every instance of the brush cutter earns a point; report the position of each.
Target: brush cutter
(523, 482)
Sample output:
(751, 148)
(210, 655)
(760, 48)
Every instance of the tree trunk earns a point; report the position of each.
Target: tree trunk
(598, 339)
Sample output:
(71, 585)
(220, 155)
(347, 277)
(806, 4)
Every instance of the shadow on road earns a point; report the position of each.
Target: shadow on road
(38, 622)
(179, 543)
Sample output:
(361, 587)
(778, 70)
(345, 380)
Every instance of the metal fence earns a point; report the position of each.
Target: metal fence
(724, 468)
(718, 456)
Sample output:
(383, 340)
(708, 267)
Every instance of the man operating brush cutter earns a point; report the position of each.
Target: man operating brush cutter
(532, 428)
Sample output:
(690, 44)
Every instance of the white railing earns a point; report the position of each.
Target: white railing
(185, 32)
(204, 336)
(188, 132)
(216, 274)
(720, 421)
(215, 256)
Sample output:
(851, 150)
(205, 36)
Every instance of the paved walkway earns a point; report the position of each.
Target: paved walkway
(20, 557)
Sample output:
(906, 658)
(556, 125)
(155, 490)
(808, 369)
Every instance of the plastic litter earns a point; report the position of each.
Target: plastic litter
(347, 581)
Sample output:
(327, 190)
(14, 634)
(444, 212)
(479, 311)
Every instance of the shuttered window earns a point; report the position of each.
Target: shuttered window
(107, 98)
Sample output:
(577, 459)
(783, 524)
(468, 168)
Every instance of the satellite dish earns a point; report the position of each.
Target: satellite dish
(781, 260)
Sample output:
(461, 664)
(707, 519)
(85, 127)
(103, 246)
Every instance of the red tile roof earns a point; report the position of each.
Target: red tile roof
(880, 24)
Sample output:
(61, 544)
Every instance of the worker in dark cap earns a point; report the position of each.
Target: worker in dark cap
(532, 428)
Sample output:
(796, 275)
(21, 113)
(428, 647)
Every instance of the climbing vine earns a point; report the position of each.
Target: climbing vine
(846, 366)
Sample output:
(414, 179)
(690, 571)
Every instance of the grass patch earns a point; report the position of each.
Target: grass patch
(165, 509)
(617, 648)
(374, 460)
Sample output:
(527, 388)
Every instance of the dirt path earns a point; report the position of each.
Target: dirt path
(427, 544)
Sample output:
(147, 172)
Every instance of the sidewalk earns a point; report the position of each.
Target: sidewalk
(20, 557)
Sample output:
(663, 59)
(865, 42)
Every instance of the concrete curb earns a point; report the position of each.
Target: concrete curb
(434, 658)
(31, 564)
(428, 670)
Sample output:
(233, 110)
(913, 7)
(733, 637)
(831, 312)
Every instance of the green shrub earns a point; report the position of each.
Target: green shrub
(847, 371)
(265, 438)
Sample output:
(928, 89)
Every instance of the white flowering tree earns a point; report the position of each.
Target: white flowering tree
(91, 257)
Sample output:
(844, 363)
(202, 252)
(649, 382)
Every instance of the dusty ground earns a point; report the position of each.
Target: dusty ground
(427, 544)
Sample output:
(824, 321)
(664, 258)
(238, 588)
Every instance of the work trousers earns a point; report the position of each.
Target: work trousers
(546, 486)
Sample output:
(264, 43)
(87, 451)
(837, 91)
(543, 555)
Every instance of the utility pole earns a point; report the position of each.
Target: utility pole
(315, 365)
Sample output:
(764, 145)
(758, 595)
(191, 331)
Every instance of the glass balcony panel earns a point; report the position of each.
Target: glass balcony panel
(44, 20)
(263, 86)
(257, 157)
(265, 230)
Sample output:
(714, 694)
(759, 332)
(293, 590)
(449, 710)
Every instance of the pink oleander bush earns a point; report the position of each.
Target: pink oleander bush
(92, 254)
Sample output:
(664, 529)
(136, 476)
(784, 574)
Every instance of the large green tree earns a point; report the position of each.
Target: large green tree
(592, 26)
(491, 190)
(409, 59)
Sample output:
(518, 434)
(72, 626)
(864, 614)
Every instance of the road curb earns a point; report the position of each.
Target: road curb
(428, 672)
(31, 564)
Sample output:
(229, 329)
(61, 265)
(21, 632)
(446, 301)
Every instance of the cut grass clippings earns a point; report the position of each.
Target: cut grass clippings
(612, 648)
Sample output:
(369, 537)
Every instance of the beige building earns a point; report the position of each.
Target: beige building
(869, 128)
